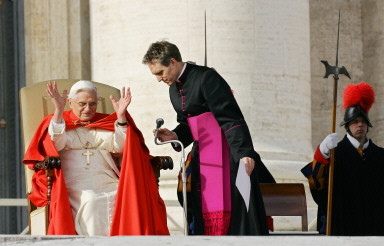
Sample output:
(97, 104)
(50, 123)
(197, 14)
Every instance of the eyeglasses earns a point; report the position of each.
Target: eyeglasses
(91, 105)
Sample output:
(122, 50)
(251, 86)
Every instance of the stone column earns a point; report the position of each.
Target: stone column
(373, 50)
(56, 40)
(122, 31)
(278, 90)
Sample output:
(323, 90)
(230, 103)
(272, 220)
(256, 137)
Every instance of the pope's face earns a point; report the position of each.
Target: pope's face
(166, 74)
(84, 105)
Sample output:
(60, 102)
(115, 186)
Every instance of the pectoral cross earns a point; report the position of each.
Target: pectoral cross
(88, 154)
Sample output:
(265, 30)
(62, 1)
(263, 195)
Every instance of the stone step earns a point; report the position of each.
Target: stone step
(277, 240)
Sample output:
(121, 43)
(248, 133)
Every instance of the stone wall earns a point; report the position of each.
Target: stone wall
(373, 61)
(57, 41)
(324, 18)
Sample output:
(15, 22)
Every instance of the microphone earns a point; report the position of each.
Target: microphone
(159, 123)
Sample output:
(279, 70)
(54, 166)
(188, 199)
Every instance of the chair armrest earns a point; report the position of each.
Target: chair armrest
(49, 162)
(161, 163)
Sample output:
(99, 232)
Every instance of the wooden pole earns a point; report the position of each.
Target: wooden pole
(335, 70)
(332, 160)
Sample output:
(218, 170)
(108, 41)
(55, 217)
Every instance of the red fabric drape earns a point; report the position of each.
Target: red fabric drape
(139, 209)
(137, 183)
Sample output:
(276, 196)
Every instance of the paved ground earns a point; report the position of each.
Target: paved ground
(191, 241)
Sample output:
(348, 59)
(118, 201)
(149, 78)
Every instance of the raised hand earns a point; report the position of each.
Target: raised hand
(58, 100)
(121, 106)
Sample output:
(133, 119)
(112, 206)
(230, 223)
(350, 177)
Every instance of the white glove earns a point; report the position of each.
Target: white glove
(329, 142)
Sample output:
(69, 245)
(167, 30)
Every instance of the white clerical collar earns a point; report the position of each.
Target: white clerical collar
(356, 143)
(182, 71)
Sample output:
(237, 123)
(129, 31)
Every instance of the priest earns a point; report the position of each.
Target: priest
(222, 155)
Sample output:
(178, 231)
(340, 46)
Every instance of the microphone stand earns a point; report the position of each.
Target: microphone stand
(159, 123)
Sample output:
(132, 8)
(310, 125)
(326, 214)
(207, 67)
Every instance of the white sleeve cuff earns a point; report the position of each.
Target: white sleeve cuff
(122, 129)
(56, 128)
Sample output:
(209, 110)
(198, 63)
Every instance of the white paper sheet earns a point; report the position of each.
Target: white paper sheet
(243, 183)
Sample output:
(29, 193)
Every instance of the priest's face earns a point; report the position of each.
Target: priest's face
(166, 74)
(358, 128)
(84, 104)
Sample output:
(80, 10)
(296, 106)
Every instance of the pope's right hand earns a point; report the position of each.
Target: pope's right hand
(330, 142)
(165, 134)
(58, 100)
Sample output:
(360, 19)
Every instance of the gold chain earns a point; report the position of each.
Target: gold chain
(87, 145)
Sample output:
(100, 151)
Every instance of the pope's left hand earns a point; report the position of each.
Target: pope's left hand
(249, 164)
(121, 106)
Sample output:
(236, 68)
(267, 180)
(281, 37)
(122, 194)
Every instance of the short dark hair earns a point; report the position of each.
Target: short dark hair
(162, 52)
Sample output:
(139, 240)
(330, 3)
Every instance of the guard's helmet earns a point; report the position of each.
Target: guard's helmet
(352, 113)
(357, 101)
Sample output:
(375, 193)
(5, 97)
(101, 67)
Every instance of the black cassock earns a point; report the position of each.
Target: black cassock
(358, 192)
(200, 90)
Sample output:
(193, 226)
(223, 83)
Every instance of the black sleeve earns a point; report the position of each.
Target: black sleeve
(183, 133)
(222, 104)
(263, 174)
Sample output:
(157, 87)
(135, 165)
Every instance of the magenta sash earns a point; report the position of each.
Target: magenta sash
(214, 173)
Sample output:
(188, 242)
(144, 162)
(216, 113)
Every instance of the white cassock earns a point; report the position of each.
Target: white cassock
(90, 173)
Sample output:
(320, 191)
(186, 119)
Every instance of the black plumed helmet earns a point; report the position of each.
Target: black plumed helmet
(352, 113)
(357, 101)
